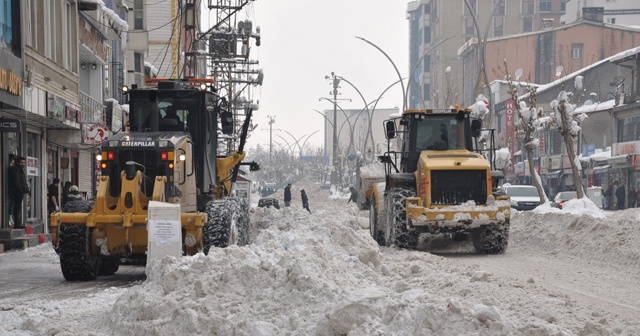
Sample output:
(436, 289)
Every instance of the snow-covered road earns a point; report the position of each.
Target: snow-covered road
(321, 274)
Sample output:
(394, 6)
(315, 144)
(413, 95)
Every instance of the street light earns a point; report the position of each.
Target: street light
(404, 91)
(272, 120)
(335, 82)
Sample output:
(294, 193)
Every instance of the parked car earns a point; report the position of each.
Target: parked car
(562, 197)
(523, 197)
(268, 202)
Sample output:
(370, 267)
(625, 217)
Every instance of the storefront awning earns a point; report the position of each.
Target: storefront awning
(553, 174)
(595, 169)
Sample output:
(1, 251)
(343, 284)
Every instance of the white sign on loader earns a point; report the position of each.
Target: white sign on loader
(164, 231)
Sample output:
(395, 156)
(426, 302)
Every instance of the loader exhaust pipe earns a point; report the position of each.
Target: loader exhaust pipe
(130, 170)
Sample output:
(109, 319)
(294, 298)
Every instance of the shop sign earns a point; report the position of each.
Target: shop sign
(10, 82)
(519, 168)
(625, 148)
(32, 166)
(93, 39)
(9, 125)
(588, 150)
(510, 127)
(56, 106)
(72, 114)
(95, 134)
(541, 145)
(636, 162)
(619, 162)
(556, 162)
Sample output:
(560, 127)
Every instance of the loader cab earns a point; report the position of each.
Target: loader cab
(430, 129)
(179, 109)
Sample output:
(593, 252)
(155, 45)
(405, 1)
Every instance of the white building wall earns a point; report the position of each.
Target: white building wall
(574, 10)
(163, 38)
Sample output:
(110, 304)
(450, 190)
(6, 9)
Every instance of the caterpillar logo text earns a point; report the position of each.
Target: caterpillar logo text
(138, 143)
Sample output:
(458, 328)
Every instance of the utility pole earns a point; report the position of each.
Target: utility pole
(335, 83)
(272, 119)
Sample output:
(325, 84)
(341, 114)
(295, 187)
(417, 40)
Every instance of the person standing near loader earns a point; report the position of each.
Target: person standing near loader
(17, 188)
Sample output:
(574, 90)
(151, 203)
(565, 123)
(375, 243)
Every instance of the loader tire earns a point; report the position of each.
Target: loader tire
(397, 231)
(376, 234)
(76, 261)
(491, 239)
(228, 224)
(78, 206)
(109, 265)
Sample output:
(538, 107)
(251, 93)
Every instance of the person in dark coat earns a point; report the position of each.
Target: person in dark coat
(76, 200)
(354, 195)
(287, 195)
(17, 188)
(620, 195)
(305, 200)
(53, 196)
(65, 193)
(633, 197)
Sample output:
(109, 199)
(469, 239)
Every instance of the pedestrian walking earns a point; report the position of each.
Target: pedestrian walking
(620, 195)
(76, 200)
(53, 196)
(305, 200)
(287, 195)
(17, 188)
(354, 195)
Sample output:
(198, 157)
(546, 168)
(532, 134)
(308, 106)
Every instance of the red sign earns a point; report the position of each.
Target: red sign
(95, 134)
(510, 130)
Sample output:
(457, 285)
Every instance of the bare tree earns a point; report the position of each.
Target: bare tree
(568, 123)
(529, 121)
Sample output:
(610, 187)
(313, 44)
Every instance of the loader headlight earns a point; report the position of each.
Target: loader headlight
(163, 143)
(182, 157)
(99, 157)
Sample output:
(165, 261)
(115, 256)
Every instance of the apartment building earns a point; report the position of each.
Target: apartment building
(58, 58)
(442, 30)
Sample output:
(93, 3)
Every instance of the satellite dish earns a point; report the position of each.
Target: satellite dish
(518, 73)
(617, 80)
(588, 102)
(559, 70)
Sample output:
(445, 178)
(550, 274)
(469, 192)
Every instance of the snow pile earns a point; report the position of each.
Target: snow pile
(321, 274)
(612, 239)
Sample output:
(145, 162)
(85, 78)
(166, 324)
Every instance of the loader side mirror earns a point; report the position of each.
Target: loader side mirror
(226, 121)
(390, 128)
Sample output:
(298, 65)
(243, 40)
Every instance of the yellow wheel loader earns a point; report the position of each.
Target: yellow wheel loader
(169, 153)
(438, 181)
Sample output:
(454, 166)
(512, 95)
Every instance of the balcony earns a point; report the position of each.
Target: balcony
(91, 110)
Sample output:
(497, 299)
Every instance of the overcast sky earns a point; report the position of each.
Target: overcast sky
(304, 41)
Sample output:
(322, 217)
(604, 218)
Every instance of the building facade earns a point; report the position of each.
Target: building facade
(441, 30)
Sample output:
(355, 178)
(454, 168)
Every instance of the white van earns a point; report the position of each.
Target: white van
(523, 197)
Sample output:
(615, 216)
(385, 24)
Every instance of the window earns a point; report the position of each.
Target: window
(427, 8)
(611, 20)
(472, 4)
(498, 26)
(527, 24)
(427, 35)
(67, 28)
(138, 15)
(545, 6)
(137, 62)
(563, 6)
(50, 29)
(501, 8)
(31, 25)
(469, 28)
(427, 63)
(576, 50)
(528, 7)
(426, 92)
(6, 26)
